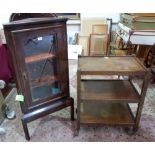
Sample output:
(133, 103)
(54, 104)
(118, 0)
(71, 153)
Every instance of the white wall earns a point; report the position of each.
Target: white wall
(114, 16)
(4, 18)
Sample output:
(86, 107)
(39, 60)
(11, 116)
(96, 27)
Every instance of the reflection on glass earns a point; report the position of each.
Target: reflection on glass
(41, 91)
(40, 44)
(42, 66)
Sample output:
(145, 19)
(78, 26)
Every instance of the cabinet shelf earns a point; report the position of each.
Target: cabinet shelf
(102, 113)
(108, 90)
(38, 57)
(43, 80)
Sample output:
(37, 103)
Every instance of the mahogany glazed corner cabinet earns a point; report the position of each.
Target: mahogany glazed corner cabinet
(38, 48)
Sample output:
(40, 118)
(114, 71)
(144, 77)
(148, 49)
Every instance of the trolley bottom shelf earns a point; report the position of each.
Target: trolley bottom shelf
(105, 113)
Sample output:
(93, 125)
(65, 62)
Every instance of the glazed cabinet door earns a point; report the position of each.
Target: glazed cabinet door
(42, 55)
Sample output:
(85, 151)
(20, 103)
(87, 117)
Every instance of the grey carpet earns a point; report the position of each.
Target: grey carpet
(57, 127)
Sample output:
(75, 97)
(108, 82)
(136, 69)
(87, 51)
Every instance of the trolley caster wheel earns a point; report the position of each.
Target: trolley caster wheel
(76, 133)
(130, 131)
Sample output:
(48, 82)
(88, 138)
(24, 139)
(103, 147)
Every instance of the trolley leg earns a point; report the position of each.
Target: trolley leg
(77, 128)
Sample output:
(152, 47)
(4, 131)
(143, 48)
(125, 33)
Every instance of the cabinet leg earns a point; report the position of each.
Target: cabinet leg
(26, 130)
(70, 102)
(72, 111)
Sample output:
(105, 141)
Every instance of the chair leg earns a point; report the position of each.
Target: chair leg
(26, 132)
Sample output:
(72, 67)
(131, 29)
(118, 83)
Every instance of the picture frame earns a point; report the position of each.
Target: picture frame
(84, 42)
(69, 15)
(99, 28)
(98, 44)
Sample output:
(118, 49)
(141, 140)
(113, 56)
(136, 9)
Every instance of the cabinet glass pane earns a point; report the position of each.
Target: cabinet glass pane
(39, 45)
(42, 67)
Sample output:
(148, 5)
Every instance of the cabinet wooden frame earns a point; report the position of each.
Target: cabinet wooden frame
(53, 30)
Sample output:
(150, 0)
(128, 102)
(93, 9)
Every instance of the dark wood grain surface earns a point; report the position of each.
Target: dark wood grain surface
(99, 112)
(110, 64)
(108, 90)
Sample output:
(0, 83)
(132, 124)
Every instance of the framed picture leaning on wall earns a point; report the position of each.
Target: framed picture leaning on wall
(98, 44)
